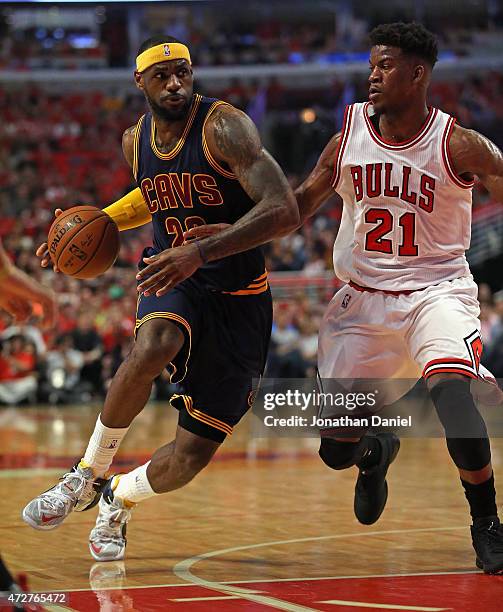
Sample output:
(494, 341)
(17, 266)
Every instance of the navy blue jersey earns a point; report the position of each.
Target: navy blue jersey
(188, 187)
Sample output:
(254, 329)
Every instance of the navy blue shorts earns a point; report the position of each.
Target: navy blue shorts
(226, 342)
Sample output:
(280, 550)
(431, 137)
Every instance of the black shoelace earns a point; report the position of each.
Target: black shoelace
(494, 534)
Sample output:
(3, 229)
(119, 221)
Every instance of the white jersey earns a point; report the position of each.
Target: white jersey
(406, 221)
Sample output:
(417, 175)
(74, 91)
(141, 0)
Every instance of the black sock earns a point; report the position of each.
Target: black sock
(481, 498)
(6, 580)
(371, 453)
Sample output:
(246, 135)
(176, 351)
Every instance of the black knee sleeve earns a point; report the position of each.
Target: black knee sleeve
(340, 455)
(465, 430)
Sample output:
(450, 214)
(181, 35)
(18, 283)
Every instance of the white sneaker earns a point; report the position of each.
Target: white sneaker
(77, 490)
(107, 541)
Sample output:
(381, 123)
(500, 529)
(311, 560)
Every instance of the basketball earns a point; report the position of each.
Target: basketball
(83, 242)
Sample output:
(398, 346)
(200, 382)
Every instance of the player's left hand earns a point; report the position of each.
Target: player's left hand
(167, 269)
(203, 231)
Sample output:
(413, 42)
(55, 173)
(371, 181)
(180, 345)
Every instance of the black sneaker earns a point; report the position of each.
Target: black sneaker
(487, 540)
(371, 490)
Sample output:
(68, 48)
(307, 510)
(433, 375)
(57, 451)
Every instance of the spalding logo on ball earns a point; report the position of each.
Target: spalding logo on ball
(83, 242)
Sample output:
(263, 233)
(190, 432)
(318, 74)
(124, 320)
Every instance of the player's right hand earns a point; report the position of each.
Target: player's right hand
(43, 252)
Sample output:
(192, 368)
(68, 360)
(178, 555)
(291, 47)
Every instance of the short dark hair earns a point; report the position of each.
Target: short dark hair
(153, 41)
(412, 38)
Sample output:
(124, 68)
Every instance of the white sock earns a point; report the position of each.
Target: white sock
(103, 445)
(134, 486)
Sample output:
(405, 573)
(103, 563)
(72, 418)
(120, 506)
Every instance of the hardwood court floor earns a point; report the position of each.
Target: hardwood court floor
(266, 526)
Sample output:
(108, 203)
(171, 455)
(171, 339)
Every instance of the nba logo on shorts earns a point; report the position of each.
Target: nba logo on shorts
(345, 301)
(167, 50)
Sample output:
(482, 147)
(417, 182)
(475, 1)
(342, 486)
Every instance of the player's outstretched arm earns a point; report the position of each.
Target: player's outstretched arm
(472, 153)
(19, 292)
(234, 140)
(317, 188)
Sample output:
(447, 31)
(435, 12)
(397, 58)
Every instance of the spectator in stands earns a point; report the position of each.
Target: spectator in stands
(316, 262)
(488, 317)
(285, 357)
(18, 377)
(63, 366)
(88, 342)
(492, 356)
(31, 333)
(308, 344)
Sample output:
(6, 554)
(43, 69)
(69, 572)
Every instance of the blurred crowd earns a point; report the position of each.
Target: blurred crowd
(59, 150)
(265, 43)
(257, 32)
(271, 42)
(32, 53)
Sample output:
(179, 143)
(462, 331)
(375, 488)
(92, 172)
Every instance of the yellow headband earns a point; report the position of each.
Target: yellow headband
(162, 53)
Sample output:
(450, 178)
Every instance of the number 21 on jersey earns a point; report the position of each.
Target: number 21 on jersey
(384, 221)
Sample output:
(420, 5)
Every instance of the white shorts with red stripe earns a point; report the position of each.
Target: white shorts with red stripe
(378, 335)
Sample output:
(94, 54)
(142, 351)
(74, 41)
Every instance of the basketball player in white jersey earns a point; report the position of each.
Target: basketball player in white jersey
(409, 307)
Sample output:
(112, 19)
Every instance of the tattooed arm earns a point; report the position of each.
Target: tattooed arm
(473, 153)
(234, 140)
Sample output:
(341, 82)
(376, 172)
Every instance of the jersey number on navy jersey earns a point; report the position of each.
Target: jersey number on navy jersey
(175, 228)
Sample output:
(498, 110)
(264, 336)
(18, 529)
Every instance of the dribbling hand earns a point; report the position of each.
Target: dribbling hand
(43, 252)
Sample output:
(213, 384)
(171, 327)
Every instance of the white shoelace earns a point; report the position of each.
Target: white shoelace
(58, 496)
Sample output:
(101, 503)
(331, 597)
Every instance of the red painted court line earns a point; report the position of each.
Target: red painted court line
(456, 592)
(9, 461)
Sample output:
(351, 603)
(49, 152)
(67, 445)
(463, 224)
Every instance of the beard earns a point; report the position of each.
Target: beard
(166, 114)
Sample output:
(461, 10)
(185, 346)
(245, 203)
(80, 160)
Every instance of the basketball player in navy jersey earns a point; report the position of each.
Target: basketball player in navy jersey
(204, 309)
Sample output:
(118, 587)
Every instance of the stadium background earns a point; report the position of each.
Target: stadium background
(66, 95)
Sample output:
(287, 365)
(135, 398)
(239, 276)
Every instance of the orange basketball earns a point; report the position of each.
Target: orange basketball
(83, 242)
